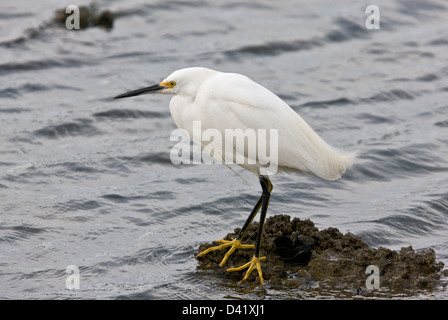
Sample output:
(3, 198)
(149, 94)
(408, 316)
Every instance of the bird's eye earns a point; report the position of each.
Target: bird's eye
(172, 84)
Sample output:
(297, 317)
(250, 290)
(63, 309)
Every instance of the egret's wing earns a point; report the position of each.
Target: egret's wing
(232, 101)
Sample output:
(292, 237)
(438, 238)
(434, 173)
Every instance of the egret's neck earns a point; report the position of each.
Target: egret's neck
(183, 111)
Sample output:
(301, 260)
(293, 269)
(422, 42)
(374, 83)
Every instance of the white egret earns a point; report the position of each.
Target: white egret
(232, 101)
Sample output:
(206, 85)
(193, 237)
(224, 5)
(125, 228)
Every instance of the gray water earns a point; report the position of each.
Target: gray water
(86, 180)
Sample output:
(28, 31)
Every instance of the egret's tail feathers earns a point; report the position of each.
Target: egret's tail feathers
(333, 164)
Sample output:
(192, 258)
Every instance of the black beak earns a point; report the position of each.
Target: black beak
(150, 89)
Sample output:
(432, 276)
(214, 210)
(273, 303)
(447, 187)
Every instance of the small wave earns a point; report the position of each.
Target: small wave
(133, 54)
(115, 198)
(439, 42)
(248, 4)
(382, 237)
(158, 195)
(189, 180)
(14, 67)
(410, 223)
(14, 110)
(16, 92)
(78, 205)
(420, 219)
(411, 160)
(20, 173)
(427, 78)
(323, 104)
(443, 124)
(374, 118)
(17, 233)
(11, 15)
(176, 5)
(438, 203)
(126, 114)
(153, 157)
(274, 48)
(138, 221)
(9, 93)
(72, 170)
(347, 30)
(74, 128)
(420, 9)
(225, 206)
(156, 255)
(350, 29)
(392, 95)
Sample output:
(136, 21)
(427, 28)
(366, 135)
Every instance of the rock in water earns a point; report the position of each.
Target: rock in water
(298, 254)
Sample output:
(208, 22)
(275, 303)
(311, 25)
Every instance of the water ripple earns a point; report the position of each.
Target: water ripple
(274, 48)
(76, 127)
(130, 114)
(13, 67)
(412, 160)
(13, 234)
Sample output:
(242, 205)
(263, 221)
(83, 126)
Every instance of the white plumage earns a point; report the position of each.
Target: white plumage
(233, 101)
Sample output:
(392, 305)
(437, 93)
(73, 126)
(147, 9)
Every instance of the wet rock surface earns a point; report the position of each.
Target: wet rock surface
(299, 255)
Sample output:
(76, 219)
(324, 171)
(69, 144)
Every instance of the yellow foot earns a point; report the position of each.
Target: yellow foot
(235, 244)
(254, 263)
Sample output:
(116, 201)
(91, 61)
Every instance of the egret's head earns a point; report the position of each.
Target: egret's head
(184, 81)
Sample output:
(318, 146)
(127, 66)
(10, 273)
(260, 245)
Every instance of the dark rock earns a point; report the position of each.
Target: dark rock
(294, 252)
(299, 254)
(88, 17)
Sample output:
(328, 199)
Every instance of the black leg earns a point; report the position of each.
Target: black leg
(266, 185)
(249, 219)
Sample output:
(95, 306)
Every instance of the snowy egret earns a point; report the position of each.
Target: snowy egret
(232, 101)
